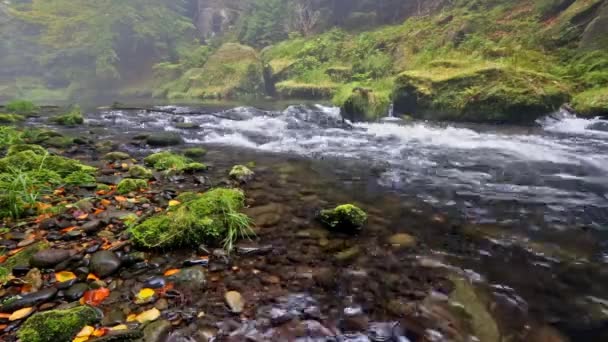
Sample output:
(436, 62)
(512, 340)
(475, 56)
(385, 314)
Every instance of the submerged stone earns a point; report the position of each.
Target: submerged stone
(241, 173)
(163, 139)
(104, 263)
(113, 156)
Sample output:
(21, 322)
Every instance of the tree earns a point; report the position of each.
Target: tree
(264, 23)
(305, 17)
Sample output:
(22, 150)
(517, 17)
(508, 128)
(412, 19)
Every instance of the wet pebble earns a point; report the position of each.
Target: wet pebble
(76, 291)
(192, 278)
(402, 240)
(91, 226)
(48, 258)
(104, 263)
(157, 331)
(29, 300)
(155, 282)
(235, 301)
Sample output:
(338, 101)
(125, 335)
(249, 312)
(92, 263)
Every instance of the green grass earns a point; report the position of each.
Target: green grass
(21, 107)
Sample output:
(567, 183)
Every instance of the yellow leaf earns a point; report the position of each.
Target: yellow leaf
(19, 314)
(84, 334)
(121, 326)
(173, 203)
(148, 316)
(64, 276)
(171, 272)
(131, 317)
(144, 294)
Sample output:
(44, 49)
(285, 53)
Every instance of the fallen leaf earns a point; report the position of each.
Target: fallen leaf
(123, 326)
(171, 272)
(64, 276)
(105, 202)
(131, 318)
(3, 326)
(83, 216)
(3, 258)
(120, 198)
(59, 191)
(144, 294)
(5, 315)
(19, 314)
(27, 288)
(95, 297)
(15, 251)
(43, 206)
(92, 277)
(68, 229)
(98, 211)
(100, 332)
(148, 315)
(173, 203)
(84, 334)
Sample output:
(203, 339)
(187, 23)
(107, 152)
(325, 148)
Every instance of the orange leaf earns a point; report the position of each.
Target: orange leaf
(98, 211)
(5, 315)
(95, 297)
(100, 332)
(27, 288)
(83, 217)
(105, 202)
(171, 272)
(3, 326)
(120, 198)
(42, 206)
(3, 258)
(92, 277)
(68, 229)
(59, 191)
(15, 251)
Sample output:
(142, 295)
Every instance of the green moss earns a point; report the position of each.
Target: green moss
(128, 185)
(30, 161)
(103, 187)
(346, 217)
(241, 173)
(187, 196)
(10, 118)
(194, 152)
(57, 325)
(80, 178)
(211, 217)
(593, 102)
(140, 172)
(195, 167)
(303, 90)
(72, 118)
(59, 142)
(114, 156)
(14, 149)
(167, 161)
(10, 136)
(22, 259)
(21, 107)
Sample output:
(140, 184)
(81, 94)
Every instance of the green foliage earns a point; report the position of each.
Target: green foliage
(208, 218)
(80, 178)
(21, 107)
(16, 148)
(10, 118)
(346, 217)
(57, 325)
(9, 136)
(72, 118)
(128, 185)
(167, 161)
(264, 23)
(593, 102)
(194, 152)
(140, 172)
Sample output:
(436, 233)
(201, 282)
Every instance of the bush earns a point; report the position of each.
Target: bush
(209, 218)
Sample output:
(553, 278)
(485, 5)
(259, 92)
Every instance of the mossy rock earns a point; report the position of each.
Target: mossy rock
(205, 218)
(128, 185)
(163, 139)
(80, 178)
(140, 172)
(30, 160)
(59, 142)
(345, 218)
(72, 118)
(21, 107)
(10, 118)
(57, 325)
(478, 93)
(187, 125)
(194, 152)
(593, 102)
(595, 36)
(14, 149)
(195, 167)
(241, 173)
(363, 104)
(165, 161)
(115, 156)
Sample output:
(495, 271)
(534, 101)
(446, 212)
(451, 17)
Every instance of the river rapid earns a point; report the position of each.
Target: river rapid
(519, 212)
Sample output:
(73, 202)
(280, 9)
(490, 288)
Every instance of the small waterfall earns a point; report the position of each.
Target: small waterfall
(391, 110)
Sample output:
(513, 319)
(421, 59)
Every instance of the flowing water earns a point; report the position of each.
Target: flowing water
(520, 211)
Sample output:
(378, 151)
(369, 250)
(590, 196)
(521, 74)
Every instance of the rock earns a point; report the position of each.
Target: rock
(34, 278)
(163, 139)
(113, 317)
(128, 185)
(402, 240)
(104, 263)
(91, 226)
(325, 277)
(140, 172)
(30, 299)
(187, 125)
(348, 254)
(192, 278)
(155, 282)
(241, 174)
(598, 126)
(162, 304)
(194, 152)
(157, 331)
(345, 218)
(235, 301)
(76, 291)
(116, 156)
(49, 258)
(57, 325)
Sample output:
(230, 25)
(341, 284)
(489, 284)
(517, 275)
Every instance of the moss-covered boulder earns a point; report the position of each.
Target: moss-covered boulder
(480, 92)
(128, 185)
(57, 325)
(165, 161)
(364, 104)
(139, 172)
(345, 218)
(593, 102)
(241, 173)
(116, 156)
(59, 142)
(10, 118)
(72, 118)
(163, 139)
(232, 71)
(30, 160)
(595, 35)
(80, 178)
(208, 218)
(21, 107)
(194, 152)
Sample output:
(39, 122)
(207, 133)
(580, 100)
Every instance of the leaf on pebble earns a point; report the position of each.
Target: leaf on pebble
(15, 251)
(173, 203)
(123, 326)
(144, 294)
(43, 206)
(100, 332)
(95, 297)
(120, 199)
(84, 334)
(92, 277)
(148, 315)
(171, 272)
(98, 211)
(105, 202)
(131, 318)
(21, 313)
(4, 315)
(83, 216)
(64, 276)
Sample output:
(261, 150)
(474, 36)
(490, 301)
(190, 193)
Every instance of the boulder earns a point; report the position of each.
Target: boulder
(104, 263)
(163, 139)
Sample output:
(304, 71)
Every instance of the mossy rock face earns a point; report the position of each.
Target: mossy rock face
(14, 149)
(10, 118)
(57, 325)
(479, 93)
(241, 173)
(299, 90)
(364, 105)
(345, 218)
(128, 185)
(113, 156)
(139, 172)
(204, 218)
(194, 152)
(595, 36)
(592, 102)
(72, 118)
(164, 139)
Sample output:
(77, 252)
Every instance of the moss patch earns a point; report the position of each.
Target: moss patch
(10, 118)
(114, 156)
(166, 161)
(211, 217)
(14, 149)
(72, 118)
(194, 152)
(593, 102)
(128, 185)
(80, 178)
(30, 161)
(241, 173)
(140, 172)
(21, 107)
(57, 325)
(346, 217)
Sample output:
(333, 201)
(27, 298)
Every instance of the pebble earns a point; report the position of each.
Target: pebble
(30, 300)
(48, 258)
(155, 282)
(192, 278)
(104, 263)
(76, 291)
(25, 243)
(235, 301)
(91, 226)
(402, 240)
